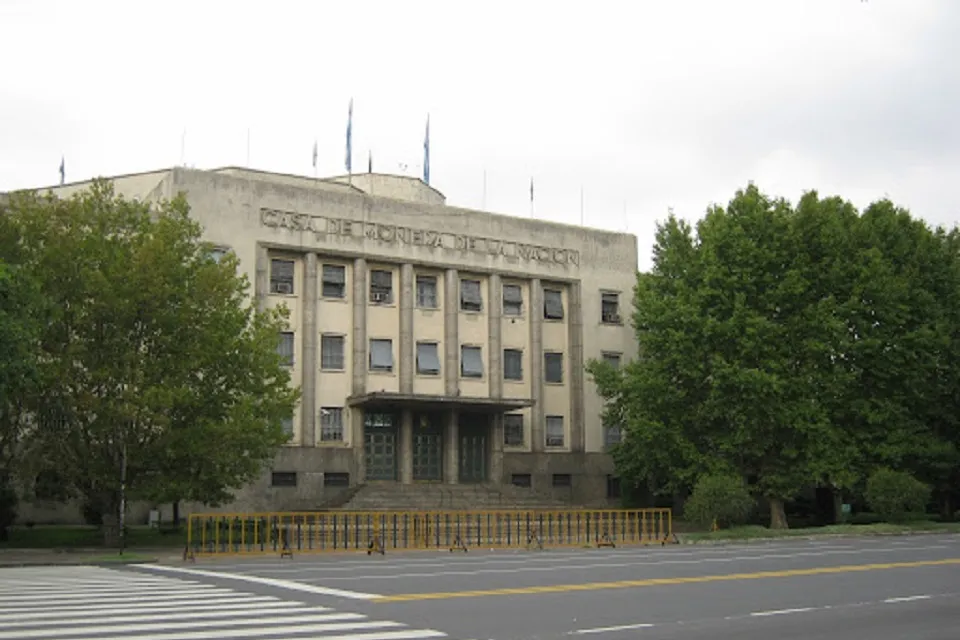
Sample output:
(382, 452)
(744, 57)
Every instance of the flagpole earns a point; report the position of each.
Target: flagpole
(183, 147)
(581, 205)
(531, 198)
(483, 205)
(248, 147)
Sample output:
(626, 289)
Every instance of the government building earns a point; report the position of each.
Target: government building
(438, 349)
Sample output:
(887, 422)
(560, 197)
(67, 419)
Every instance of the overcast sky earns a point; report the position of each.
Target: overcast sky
(645, 105)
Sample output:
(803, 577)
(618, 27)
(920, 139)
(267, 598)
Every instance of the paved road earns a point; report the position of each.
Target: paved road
(877, 588)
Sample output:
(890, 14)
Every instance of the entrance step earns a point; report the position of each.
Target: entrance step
(390, 496)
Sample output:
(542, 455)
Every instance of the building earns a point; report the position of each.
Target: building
(433, 344)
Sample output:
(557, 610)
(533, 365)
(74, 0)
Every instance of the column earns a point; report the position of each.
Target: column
(406, 447)
(496, 449)
(451, 448)
(358, 338)
(575, 348)
(536, 366)
(308, 365)
(262, 284)
(451, 332)
(357, 445)
(407, 355)
(495, 357)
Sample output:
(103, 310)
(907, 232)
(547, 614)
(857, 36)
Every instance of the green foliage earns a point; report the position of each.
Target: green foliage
(152, 353)
(720, 498)
(895, 495)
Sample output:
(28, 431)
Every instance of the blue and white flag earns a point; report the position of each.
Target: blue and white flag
(63, 170)
(426, 152)
(349, 160)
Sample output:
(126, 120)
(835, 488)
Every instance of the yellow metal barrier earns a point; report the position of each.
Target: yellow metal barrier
(379, 531)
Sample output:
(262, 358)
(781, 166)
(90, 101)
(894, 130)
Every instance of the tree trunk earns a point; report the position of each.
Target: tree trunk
(946, 506)
(778, 515)
(176, 513)
(837, 506)
(111, 531)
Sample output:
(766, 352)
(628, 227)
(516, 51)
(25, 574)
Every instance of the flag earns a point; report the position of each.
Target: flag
(369, 161)
(349, 160)
(63, 170)
(426, 152)
(314, 154)
(531, 189)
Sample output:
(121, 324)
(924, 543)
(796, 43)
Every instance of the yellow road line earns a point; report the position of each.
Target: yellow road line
(652, 582)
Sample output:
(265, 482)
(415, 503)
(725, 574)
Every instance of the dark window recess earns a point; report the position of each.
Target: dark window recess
(471, 362)
(281, 276)
(332, 352)
(554, 434)
(562, 480)
(613, 487)
(285, 348)
(521, 480)
(283, 479)
(610, 308)
(427, 292)
(512, 300)
(381, 287)
(611, 435)
(513, 429)
(428, 358)
(512, 364)
(334, 281)
(612, 359)
(336, 479)
(381, 355)
(470, 298)
(553, 367)
(331, 424)
(552, 304)
(287, 424)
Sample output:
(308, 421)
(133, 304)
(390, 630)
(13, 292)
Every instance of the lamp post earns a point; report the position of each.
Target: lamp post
(123, 494)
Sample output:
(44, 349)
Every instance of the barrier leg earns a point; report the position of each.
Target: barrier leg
(188, 554)
(534, 537)
(376, 546)
(458, 544)
(606, 540)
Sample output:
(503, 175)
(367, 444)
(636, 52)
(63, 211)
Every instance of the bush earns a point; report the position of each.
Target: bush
(896, 495)
(720, 498)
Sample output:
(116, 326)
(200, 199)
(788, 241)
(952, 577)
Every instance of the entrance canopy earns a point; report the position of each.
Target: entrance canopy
(421, 402)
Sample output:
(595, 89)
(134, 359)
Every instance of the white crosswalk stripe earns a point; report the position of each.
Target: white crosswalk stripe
(93, 603)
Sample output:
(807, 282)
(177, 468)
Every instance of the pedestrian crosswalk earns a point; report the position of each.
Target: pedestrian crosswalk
(87, 603)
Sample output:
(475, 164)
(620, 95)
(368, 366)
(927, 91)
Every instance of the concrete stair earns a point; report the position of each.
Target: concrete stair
(463, 497)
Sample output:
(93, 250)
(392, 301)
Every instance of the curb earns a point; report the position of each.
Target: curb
(78, 562)
(813, 536)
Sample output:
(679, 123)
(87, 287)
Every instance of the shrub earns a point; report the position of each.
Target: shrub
(896, 495)
(720, 498)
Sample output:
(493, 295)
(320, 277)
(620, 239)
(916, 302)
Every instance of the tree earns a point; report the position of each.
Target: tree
(158, 372)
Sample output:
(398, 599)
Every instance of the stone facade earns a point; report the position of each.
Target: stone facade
(432, 343)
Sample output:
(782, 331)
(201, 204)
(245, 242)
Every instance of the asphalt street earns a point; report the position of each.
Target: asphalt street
(882, 588)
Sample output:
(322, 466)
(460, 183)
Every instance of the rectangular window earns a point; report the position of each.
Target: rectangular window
(521, 480)
(553, 367)
(554, 434)
(612, 359)
(287, 424)
(427, 292)
(470, 297)
(381, 287)
(471, 362)
(613, 487)
(283, 478)
(336, 479)
(552, 304)
(331, 424)
(334, 281)
(562, 480)
(513, 430)
(332, 349)
(610, 308)
(512, 300)
(285, 348)
(281, 276)
(381, 355)
(512, 364)
(428, 358)
(612, 434)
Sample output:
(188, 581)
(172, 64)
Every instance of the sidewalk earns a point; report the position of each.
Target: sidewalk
(61, 557)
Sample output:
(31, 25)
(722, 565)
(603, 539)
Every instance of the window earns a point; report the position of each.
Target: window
(381, 355)
(281, 276)
(285, 348)
(427, 292)
(471, 362)
(512, 364)
(562, 480)
(470, 298)
(513, 430)
(553, 368)
(610, 308)
(334, 281)
(612, 359)
(521, 480)
(332, 352)
(512, 300)
(331, 424)
(381, 287)
(283, 478)
(428, 358)
(611, 435)
(287, 424)
(218, 253)
(552, 304)
(554, 431)
(336, 479)
(613, 487)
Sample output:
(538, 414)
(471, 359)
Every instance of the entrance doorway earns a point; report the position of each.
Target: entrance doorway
(427, 448)
(380, 435)
(473, 430)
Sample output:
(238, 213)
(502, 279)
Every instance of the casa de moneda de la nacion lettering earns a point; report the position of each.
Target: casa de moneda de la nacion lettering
(325, 227)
